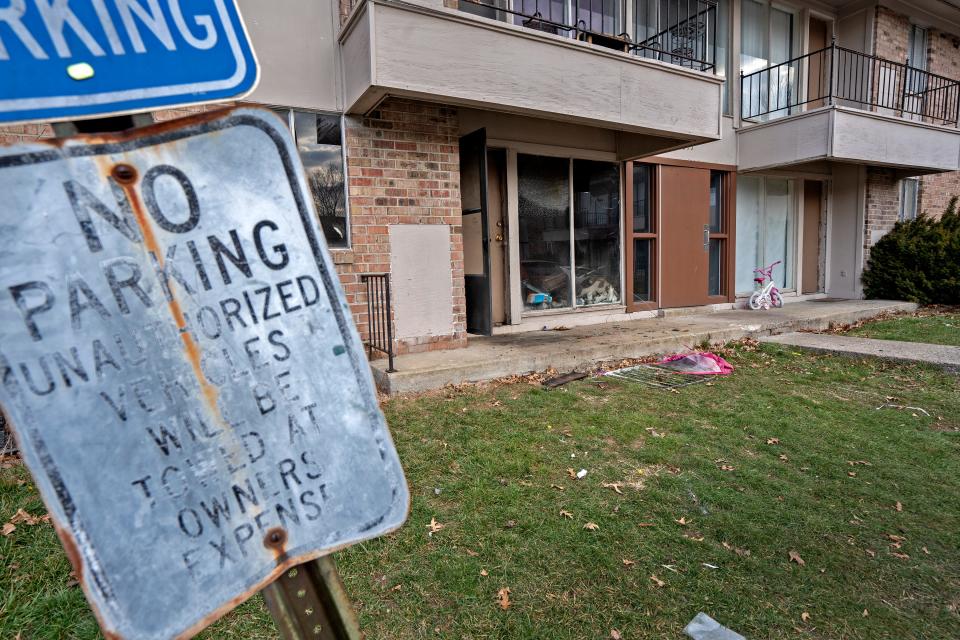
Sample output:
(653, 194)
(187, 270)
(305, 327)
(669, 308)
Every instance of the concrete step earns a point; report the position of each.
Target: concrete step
(582, 347)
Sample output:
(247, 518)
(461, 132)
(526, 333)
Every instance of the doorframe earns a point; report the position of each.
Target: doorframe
(486, 324)
(729, 185)
(629, 236)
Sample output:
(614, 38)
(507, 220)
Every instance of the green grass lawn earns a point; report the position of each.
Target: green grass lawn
(789, 454)
(925, 326)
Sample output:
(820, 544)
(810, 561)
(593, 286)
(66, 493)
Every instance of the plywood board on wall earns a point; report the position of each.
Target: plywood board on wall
(422, 280)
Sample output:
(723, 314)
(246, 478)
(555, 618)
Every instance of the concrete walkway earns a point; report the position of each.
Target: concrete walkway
(487, 358)
(944, 356)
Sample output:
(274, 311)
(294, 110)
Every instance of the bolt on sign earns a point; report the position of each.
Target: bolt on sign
(180, 369)
(63, 59)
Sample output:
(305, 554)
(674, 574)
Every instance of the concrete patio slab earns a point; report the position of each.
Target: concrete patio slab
(487, 358)
(944, 356)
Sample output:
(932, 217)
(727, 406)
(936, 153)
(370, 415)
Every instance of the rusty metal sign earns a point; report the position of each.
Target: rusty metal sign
(180, 368)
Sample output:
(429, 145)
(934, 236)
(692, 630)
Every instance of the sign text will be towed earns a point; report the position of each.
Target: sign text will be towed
(180, 369)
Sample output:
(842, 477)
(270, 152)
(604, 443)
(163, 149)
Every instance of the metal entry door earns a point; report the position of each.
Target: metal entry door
(476, 245)
(684, 236)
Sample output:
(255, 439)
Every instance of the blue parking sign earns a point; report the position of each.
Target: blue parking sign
(69, 59)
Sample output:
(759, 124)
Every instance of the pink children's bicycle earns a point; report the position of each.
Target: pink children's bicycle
(767, 295)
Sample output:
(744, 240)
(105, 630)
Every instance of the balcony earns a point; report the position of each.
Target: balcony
(841, 105)
(535, 59)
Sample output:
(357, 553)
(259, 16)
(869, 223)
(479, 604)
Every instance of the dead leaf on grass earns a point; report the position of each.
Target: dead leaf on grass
(7, 529)
(615, 635)
(627, 562)
(925, 550)
(72, 580)
(795, 557)
(657, 581)
(484, 573)
(503, 598)
(683, 521)
(612, 485)
(471, 553)
(693, 536)
(565, 513)
(557, 487)
(784, 457)
(727, 467)
(773, 441)
(572, 473)
(895, 538)
(591, 526)
(854, 463)
(902, 556)
(434, 526)
(510, 524)
(871, 553)
(865, 613)
(898, 507)
(743, 553)
(805, 616)
(852, 474)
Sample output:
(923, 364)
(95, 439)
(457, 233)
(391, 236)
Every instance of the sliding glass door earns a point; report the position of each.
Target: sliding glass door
(569, 232)
(767, 39)
(766, 230)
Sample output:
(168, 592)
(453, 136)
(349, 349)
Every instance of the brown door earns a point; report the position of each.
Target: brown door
(684, 236)
(818, 86)
(812, 209)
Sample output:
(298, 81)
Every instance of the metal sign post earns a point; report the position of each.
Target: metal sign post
(179, 366)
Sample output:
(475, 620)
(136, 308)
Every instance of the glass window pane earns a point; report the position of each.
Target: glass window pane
(596, 228)
(723, 34)
(716, 202)
(778, 230)
(908, 199)
(543, 190)
(319, 144)
(714, 287)
(643, 270)
(601, 16)
(642, 204)
(749, 202)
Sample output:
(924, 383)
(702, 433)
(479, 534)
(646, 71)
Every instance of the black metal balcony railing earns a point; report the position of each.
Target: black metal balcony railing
(680, 32)
(839, 76)
(379, 316)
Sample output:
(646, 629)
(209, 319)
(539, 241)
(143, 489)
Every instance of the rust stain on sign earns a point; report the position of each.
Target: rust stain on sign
(169, 290)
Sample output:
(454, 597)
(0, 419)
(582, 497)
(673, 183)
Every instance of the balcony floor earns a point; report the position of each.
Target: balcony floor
(488, 358)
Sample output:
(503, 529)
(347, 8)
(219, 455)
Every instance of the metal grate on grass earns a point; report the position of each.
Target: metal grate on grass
(653, 375)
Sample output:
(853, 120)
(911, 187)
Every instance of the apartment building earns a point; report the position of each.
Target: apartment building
(520, 164)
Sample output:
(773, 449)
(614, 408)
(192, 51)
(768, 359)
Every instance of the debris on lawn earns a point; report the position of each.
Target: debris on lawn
(664, 374)
(703, 627)
(434, 527)
(795, 557)
(581, 474)
(553, 383)
(701, 363)
(887, 405)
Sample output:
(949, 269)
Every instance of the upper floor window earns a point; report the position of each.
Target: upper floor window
(767, 38)
(319, 138)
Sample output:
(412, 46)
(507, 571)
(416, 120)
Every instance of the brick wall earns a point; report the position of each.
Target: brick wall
(892, 35)
(936, 190)
(403, 167)
(882, 205)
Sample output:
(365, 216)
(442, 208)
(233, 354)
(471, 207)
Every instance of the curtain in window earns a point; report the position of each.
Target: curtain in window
(765, 230)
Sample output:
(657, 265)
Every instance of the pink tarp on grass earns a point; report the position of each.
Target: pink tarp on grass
(698, 364)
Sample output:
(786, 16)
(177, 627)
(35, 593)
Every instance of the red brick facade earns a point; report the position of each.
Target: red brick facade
(892, 33)
(882, 205)
(403, 167)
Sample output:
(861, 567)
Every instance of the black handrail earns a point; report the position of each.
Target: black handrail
(379, 316)
(686, 29)
(837, 75)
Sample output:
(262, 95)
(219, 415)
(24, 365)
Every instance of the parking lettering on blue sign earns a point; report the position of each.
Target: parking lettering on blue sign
(63, 59)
